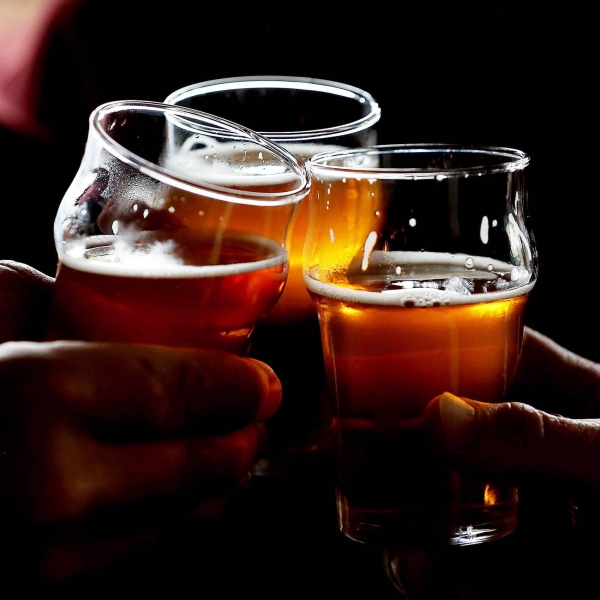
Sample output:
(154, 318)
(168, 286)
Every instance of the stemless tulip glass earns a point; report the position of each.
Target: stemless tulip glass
(305, 116)
(153, 251)
(420, 260)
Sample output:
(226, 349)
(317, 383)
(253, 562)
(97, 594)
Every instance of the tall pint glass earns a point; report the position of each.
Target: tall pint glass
(305, 116)
(420, 268)
(152, 251)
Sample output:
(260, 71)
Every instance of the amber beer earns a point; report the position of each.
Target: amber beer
(295, 304)
(387, 353)
(420, 268)
(177, 292)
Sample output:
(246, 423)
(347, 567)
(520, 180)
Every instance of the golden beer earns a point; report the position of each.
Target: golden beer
(295, 304)
(387, 355)
(420, 264)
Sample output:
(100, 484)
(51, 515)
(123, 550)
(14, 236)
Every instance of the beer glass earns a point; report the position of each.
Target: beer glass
(152, 251)
(420, 268)
(305, 116)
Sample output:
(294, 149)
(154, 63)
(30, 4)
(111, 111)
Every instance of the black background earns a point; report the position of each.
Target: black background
(493, 74)
(496, 75)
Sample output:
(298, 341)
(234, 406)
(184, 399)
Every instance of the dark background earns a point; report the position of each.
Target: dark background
(495, 74)
(498, 75)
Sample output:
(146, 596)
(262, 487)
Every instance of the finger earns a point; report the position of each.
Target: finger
(513, 439)
(89, 476)
(151, 387)
(555, 379)
(25, 297)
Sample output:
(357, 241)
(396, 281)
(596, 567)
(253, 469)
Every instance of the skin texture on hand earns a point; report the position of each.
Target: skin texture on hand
(92, 434)
(545, 439)
(102, 444)
(71, 413)
(558, 439)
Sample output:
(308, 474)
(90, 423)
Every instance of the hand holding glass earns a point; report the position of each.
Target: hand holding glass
(420, 260)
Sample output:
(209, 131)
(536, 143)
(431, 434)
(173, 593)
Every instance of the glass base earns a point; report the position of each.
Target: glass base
(422, 529)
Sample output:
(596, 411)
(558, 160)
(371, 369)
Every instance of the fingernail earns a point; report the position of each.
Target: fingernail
(458, 419)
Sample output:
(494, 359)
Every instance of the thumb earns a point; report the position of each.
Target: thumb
(512, 440)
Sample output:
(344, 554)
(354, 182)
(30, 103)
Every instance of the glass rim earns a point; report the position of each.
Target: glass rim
(508, 160)
(186, 118)
(325, 86)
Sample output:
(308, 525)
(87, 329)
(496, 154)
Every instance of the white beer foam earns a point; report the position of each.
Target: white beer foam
(406, 295)
(119, 257)
(210, 164)
(200, 163)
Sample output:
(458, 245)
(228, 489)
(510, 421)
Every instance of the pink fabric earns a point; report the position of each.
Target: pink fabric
(23, 42)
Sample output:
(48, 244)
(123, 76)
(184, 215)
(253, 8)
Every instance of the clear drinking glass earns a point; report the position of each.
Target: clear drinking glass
(153, 251)
(420, 268)
(305, 116)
